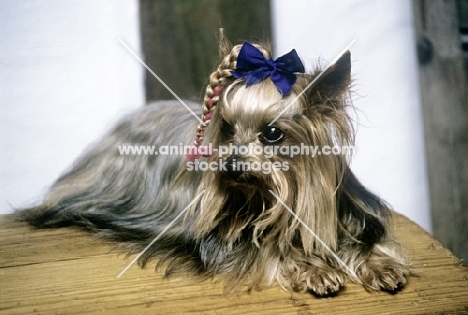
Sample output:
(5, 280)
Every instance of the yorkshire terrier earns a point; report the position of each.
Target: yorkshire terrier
(302, 221)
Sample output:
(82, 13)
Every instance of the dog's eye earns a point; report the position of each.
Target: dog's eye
(226, 129)
(272, 134)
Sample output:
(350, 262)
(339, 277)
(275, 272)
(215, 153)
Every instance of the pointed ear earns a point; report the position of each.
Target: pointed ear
(225, 46)
(335, 81)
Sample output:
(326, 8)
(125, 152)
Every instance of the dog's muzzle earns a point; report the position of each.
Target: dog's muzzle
(232, 168)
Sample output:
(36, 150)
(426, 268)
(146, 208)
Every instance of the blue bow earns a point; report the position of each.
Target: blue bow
(254, 68)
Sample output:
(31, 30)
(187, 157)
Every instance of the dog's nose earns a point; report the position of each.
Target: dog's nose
(233, 169)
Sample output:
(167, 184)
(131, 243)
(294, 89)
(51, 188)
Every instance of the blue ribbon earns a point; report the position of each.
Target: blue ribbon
(254, 68)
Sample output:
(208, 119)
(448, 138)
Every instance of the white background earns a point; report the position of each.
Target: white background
(64, 78)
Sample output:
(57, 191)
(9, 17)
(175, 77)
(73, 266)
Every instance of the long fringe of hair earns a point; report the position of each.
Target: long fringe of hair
(240, 230)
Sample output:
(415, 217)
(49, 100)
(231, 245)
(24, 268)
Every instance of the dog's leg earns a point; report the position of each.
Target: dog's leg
(365, 244)
(384, 269)
(323, 279)
(312, 275)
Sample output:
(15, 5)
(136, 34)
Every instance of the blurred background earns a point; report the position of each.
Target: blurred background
(65, 78)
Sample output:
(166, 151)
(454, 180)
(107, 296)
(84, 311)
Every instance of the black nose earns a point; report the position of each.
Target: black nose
(233, 168)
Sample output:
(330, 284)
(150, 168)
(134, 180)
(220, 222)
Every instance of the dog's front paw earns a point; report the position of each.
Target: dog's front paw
(383, 274)
(323, 281)
(320, 280)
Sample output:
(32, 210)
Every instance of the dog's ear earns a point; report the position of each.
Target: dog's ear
(334, 82)
(225, 46)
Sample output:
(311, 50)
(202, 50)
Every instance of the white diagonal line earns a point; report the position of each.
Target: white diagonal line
(316, 236)
(313, 81)
(162, 82)
(159, 235)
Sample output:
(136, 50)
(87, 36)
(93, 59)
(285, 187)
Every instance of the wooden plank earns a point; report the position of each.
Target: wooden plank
(443, 83)
(462, 6)
(180, 44)
(69, 272)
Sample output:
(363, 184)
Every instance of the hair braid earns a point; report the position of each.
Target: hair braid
(213, 91)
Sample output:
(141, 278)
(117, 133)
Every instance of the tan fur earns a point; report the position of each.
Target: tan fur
(238, 228)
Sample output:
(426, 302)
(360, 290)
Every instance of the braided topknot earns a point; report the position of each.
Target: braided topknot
(216, 84)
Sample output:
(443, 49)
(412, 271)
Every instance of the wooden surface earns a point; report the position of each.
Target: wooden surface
(68, 272)
(444, 96)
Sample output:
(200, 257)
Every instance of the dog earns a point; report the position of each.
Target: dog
(302, 222)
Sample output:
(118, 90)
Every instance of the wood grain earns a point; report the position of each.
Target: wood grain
(180, 40)
(69, 272)
(444, 96)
